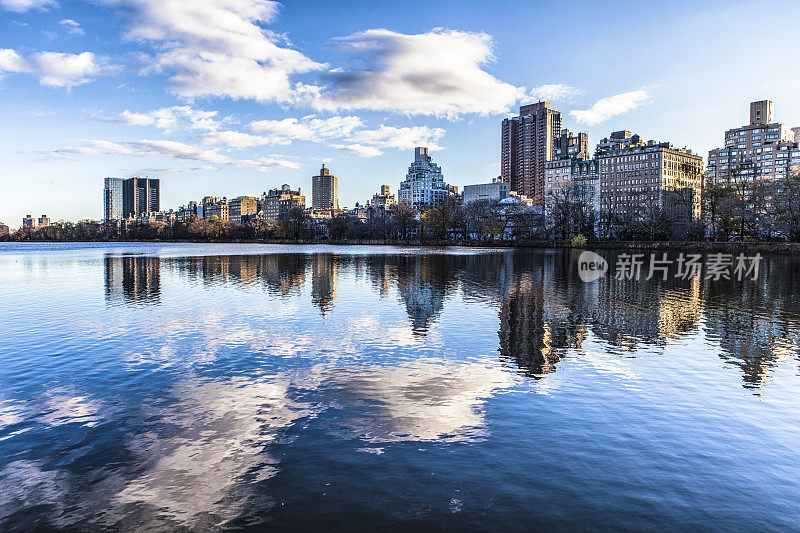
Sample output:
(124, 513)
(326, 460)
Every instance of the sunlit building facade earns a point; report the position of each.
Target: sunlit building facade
(424, 186)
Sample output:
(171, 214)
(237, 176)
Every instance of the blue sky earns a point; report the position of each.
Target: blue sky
(232, 97)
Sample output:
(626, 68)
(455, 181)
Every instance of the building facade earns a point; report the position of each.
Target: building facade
(576, 181)
(186, 212)
(140, 196)
(763, 149)
(28, 222)
(384, 199)
(44, 221)
(424, 186)
(279, 201)
(527, 142)
(635, 176)
(4, 230)
(324, 190)
(494, 192)
(112, 199)
(218, 209)
(569, 146)
(242, 208)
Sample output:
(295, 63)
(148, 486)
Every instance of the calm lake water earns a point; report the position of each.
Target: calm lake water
(147, 386)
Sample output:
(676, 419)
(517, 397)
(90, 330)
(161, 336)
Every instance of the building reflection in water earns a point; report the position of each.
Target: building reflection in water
(281, 275)
(133, 279)
(755, 322)
(424, 281)
(544, 309)
(324, 274)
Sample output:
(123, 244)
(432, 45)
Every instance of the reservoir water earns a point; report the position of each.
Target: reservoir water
(235, 386)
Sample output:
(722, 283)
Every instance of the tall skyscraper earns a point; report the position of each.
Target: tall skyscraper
(112, 199)
(424, 186)
(140, 196)
(527, 143)
(324, 190)
(763, 149)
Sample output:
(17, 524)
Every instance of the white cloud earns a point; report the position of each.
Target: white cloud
(57, 69)
(611, 106)
(237, 139)
(266, 163)
(218, 47)
(168, 149)
(309, 128)
(358, 149)
(108, 147)
(173, 118)
(554, 92)
(11, 61)
(436, 73)
(72, 27)
(179, 150)
(351, 129)
(20, 6)
(400, 138)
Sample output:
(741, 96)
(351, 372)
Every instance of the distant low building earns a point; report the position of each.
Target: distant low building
(4, 231)
(185, 213)
(493, 192)
(383, 199)
(279, 201)
(219, 210)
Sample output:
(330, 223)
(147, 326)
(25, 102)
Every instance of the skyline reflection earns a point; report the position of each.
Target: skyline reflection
(543, 308)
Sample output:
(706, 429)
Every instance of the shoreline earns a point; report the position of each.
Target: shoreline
(677, 246)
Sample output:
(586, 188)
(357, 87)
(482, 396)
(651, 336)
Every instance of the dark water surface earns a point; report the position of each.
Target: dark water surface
(166, 387)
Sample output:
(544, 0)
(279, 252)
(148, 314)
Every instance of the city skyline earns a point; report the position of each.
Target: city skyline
(88, 104)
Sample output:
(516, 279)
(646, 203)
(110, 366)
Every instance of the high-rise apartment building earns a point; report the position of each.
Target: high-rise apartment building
(4, 231)
(28, 222)
(241, 207)
(112, 199)
(527, 142)
(279, 201)
(140, 196)
(763, 149)
(44, 221)
(424, 186)
(635, 175)
(324, 190)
